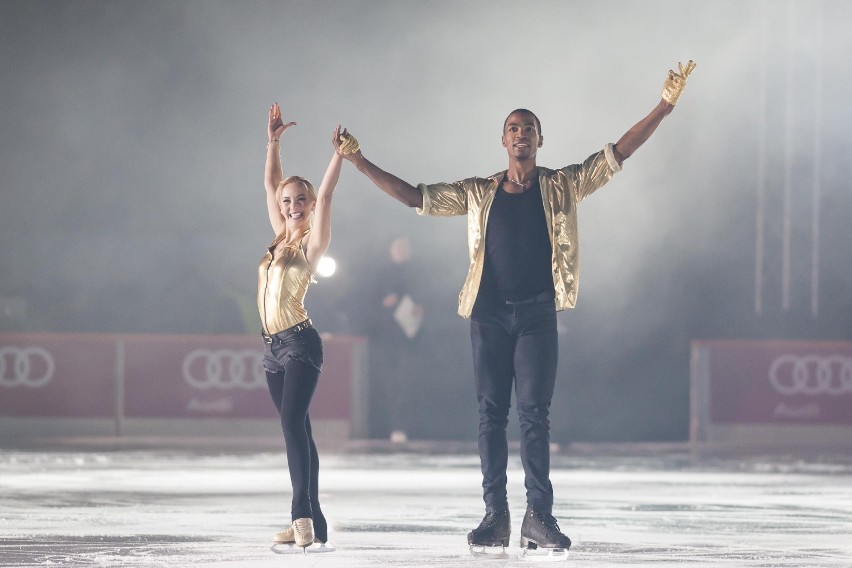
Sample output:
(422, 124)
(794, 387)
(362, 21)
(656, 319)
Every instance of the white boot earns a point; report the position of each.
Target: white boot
(287, 536)
(303, 531)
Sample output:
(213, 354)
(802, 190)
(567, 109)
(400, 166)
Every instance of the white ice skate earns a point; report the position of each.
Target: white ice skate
(291, 548)
(284, 542)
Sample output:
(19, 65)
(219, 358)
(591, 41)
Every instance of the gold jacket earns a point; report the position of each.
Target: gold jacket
(561, 191)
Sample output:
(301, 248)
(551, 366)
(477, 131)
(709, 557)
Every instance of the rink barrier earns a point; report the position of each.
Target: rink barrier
(771, 393)
(165, 384)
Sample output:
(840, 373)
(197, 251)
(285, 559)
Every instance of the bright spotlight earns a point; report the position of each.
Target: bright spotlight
(326, 267)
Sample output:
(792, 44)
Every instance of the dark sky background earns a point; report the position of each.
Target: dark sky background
(132, 140)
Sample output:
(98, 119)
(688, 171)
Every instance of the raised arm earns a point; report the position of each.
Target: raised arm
(400, 190)
(321, 229)
(642, 130)
(272, 173)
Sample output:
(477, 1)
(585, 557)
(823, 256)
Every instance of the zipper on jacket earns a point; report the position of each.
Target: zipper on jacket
(266, 291)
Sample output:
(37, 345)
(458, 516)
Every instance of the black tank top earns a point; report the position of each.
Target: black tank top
(518, 254)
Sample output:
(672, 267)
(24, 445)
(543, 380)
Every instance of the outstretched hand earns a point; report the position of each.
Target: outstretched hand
(276, 125)
(676, 82)
(345, 144)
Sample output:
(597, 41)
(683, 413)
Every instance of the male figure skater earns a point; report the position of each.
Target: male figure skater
(522, 241)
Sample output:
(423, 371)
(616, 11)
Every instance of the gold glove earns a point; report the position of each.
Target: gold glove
(348, 144)
(676, 82)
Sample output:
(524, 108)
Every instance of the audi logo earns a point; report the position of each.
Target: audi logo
(811, 375)
(25, 367)
(224, 369)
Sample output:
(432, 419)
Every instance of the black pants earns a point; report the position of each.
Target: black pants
(515, 343)
(292, 372)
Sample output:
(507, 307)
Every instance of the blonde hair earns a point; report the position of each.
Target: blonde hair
(295, 179)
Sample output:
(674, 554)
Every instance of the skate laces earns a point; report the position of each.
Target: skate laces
(492, 517)
(303, 526)
(548, 520)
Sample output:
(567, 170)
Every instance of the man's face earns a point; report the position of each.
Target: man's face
(521, 137)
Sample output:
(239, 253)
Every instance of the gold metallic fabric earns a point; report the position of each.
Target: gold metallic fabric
(282, 283)
(676, 82)
(561, 191)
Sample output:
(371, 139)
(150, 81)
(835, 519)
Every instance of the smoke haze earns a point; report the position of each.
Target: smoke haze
(133, 139)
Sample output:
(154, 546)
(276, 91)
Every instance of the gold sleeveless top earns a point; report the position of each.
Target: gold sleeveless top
(281, 286)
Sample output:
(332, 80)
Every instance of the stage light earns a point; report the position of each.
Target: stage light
(326, 267)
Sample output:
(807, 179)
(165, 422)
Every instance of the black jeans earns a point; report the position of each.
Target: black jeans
(515, 343)
(292, 371)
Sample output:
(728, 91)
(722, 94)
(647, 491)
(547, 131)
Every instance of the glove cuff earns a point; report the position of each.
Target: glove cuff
(671, 94)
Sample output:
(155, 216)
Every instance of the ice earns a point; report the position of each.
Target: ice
(195, 508)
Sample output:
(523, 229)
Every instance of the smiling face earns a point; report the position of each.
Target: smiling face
(296, 201)
(522, 135)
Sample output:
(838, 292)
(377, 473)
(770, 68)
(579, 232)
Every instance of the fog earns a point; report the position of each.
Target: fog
(132, 142)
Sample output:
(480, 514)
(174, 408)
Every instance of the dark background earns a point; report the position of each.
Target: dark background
(132, 139)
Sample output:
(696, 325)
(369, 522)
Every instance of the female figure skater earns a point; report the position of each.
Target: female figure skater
(301, 219)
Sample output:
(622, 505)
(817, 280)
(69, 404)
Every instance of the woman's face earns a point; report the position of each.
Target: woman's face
(297, 205)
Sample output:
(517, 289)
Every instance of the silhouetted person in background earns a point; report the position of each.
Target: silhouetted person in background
(397, 316)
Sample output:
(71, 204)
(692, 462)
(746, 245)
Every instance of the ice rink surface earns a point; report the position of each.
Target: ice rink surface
(200, 508)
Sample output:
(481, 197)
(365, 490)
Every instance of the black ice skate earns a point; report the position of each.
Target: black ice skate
(491, 537)
(541, 538)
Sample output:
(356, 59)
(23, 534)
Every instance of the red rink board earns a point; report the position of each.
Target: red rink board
(182, 377)
(778, 382)
(160, 376)
(57, 375)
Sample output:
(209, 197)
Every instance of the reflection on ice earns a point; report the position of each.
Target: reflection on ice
(69, 550)
(189, 509)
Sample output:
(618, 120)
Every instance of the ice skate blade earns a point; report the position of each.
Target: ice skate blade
(544, 554)
(489, 552)
(291, 548)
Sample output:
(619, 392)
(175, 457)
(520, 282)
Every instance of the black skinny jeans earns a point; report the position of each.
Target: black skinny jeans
(515, 343)
(292, 372)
